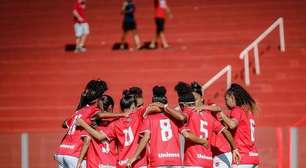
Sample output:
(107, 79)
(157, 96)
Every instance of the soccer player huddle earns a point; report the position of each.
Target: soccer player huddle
(192, 134)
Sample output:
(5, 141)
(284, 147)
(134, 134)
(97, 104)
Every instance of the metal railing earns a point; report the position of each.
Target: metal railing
(226, 70)
(254, 45)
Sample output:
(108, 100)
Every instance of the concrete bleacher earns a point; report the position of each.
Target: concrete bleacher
(41, 83)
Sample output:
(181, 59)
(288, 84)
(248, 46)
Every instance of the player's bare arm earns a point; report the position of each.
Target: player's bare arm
(230, 140)
(101, 115)
(170, 15)
(142, 144)
(96, 134)
(213, 108)
(86, 142)
(151, 109)
(192, 137)
(231, 123)
(123, 7)
(174, 113)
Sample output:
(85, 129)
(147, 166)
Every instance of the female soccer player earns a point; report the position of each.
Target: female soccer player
(242, 123)
(221, 149)
(202, 124)
(74, 142)
(160, 134)
(129, 23)
(123, 130)
(161, 8)
(101, 153)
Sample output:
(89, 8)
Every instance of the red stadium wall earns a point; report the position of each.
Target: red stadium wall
(41, 83)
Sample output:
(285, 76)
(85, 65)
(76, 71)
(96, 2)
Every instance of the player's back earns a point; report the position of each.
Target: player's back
(164, 146)
(244, 135)
(102, 153)
(71, 143)
(125, 131)
(202, 124)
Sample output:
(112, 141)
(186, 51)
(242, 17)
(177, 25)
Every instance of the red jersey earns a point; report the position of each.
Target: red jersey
(160, 6)
(72, 144)
(202, 124)
(244, 136)
(219, 144)
(164, 146)
(102, 153)
(125, 131)
(81, 11)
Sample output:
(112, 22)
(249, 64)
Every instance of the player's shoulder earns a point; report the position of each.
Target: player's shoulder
(189, 111)
(156, 116)
(237, 109)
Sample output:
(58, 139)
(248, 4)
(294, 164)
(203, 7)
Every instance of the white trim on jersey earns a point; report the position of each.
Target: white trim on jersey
(185, 129)
(221, 130)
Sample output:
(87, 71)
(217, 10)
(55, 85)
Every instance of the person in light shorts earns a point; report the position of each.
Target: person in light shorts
(81, 27)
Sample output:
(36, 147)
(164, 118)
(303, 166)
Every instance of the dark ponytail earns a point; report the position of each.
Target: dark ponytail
(94, 90)
(106, 102)
(197, 88)
(127, 100)
(159, 94)
(184, 93)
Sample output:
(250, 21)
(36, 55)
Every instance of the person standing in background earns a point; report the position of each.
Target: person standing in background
(161, 8)
(81, 27)
(129, 23)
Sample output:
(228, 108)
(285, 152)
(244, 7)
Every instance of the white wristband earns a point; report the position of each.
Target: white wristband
(165, 106)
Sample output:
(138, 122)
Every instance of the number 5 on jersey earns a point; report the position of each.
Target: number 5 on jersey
(204, 131)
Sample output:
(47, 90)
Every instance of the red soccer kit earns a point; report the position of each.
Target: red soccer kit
(164, 146)
(219, 144)
(102, 153)
(244, 136)
(81, 12)
(202, 124)
(125, 131)
(71, 144)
